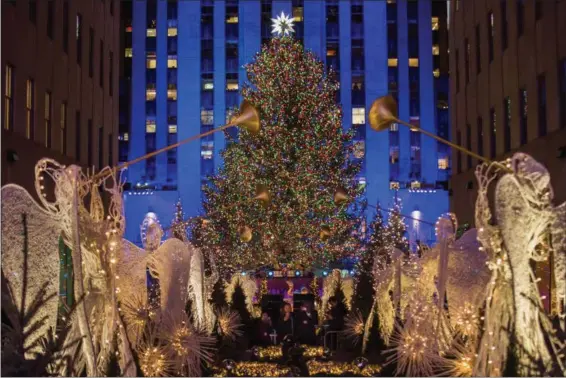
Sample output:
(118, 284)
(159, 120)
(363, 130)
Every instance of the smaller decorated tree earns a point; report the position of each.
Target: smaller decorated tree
(396, 229)
(179, 227)
(364, 290)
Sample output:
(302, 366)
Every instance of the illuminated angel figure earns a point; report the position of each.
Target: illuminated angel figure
(525, 216)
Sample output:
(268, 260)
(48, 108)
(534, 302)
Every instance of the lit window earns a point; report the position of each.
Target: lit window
(150, 94)
(392, 62)
(172, 61)
(442, 104)
(232, 85)
(207, 149)
(206, 117)
(128, 53)
(232, 20)
(171, 32)
(172, 129)
(435, 50)
(151, 32)
(358, 116)
(362, 181)
(436, 73)
(125, 137)
(128, 29)
(298, 14)
(150, 126)
(331, 52)
(435, 23)
(443, 163)
(172, 92)
(394, 127)
(394, 154)
(413, 62)
(151, 63)
(415, 185)
(394, 185)
(208, 86)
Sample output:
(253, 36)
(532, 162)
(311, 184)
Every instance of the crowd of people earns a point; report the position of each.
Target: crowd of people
(302, 324)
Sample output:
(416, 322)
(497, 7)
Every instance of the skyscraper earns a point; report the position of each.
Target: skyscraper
(188, 62)
(60, 85)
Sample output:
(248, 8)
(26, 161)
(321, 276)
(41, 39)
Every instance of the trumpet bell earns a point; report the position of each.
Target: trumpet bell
(262, 195)
(383, 113)
(245, 234)
(325, 233)
(340, 197)
(248, 118)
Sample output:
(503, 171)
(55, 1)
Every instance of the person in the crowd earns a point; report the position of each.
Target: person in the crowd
(264, 330)
(307, 319)
(286, 325)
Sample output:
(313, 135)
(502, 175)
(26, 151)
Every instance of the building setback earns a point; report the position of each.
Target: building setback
(187, 61)
(60, 62)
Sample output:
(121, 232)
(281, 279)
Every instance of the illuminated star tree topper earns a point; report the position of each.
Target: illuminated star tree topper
(282, 25)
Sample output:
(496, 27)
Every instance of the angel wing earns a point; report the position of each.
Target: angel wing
(30, 255)
(171, 265)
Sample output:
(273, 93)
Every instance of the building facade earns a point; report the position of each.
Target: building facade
(508, 89)
(60, 62)
(187, 61)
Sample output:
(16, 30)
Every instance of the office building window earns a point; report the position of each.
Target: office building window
(443, 163)
(413, 62)
(101, 64)
(542, 127)
(171, 61)
(172, 92)
(150, 126)
(524, 111)
(111, 73)
(479, 135)
(9, 98)
(66, 26)
(50, 15)
(538, 9)
(507, 125)
(63, 140)
(435, 23)
(48, 112)
(469, 145)
(562, 89)
(457, 57)
(478, 49)
(100, 147)
(89, 140)
(520, 17)
(490, 34)
(504, 24)
(207, 117)
(150, 92)
(110, 149)
(231, 85)
(358, 116)
(151, 63)
(32, 11)
(30, 109)
(79, 36)
(458, 153)
(78, 136)
(207, 149)
(91, 52)
(467, 61)
(492, 133)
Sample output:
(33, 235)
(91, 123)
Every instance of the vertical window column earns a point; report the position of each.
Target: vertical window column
(207, 97)
(507, 125)
(414, 89)
(48, 112)
(151, 93)
(172, 42)
(524, 111)
(30, 109)
(492, 133)
(9, 97)
(392, 85)
(542, 126)
(63, 130)
(232, 57)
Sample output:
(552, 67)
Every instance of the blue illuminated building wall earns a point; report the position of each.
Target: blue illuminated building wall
(187, 62)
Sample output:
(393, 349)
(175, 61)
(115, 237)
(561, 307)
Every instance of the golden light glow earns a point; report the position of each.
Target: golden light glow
(171, 32)
(392, 62)
(413, 62)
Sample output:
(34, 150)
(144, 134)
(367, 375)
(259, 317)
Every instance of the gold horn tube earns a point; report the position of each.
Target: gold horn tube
(383, 113)
(340, 197)
(262, 195)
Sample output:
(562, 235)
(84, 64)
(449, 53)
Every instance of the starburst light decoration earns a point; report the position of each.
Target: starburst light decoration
(282, 25)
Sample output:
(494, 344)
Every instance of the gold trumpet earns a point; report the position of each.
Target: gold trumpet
(262, 195)
(340, 196)
(245, 234)
(325, 233)
(248, 119)
(383, 113)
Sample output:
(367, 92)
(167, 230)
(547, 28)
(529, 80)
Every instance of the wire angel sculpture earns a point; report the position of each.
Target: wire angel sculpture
(514, 236)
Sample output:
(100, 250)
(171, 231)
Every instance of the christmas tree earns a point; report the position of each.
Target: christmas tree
(301, 155)
(395, 232)
(364, 290)
(179, 227)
